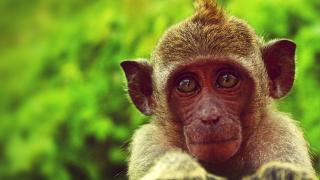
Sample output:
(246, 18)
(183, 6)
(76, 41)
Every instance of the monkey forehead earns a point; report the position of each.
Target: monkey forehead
(187, 42)
(190, 39)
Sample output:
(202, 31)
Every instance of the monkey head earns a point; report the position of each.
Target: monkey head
(214, 77)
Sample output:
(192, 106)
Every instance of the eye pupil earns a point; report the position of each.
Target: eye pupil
(187, 85)
(227, 80)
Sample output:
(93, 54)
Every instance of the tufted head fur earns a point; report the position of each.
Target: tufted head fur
(208, 12)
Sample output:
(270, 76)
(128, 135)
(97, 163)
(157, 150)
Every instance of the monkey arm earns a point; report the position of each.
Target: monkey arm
(282, 171)
(178, 165)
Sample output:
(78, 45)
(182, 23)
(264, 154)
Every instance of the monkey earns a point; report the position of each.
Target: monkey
(210, 89)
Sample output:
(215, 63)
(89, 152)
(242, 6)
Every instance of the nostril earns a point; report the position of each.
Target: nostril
(211, 120)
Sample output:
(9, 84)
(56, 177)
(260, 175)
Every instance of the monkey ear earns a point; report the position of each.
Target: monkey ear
(279, 59)
(138, 74)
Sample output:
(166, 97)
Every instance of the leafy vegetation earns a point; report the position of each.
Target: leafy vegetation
(64, 112)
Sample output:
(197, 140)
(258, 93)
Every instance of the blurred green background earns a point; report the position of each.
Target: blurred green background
(64, 113)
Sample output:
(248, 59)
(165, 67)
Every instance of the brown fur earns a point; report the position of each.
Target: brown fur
(211, 34)
(208, 13)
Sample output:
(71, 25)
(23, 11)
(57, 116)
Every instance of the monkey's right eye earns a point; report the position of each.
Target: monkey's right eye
(187, 85)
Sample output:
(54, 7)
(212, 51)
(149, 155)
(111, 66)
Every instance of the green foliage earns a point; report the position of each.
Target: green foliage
(63, 109)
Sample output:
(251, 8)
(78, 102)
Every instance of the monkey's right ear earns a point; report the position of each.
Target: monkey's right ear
(138, 74)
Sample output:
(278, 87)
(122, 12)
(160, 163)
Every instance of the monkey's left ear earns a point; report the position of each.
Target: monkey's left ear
(138, 74)
(279, 59)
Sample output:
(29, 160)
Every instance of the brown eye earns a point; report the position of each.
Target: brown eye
(227, 80)
(187, 85)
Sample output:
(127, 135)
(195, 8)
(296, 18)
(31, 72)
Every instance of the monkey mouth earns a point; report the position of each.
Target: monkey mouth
(215, 141)
(214, 151)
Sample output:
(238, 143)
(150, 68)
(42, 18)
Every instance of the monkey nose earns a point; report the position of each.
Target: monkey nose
(211, 120)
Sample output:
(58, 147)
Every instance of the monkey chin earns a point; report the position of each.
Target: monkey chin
(215, 152)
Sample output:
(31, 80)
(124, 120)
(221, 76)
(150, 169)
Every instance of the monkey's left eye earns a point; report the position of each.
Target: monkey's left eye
(227, 80)
(187, 85)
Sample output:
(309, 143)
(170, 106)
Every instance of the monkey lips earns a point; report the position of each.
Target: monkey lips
(212, 144)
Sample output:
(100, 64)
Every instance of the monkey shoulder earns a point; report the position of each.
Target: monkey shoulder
(149, 143)
(155, 133)
(147, 138)
(278, 138)
(281, 124)
(280, 129)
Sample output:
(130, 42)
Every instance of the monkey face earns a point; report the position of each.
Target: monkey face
(208, 98)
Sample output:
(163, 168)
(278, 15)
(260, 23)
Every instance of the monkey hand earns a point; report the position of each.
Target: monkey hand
(281, 171)
(178, 165)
